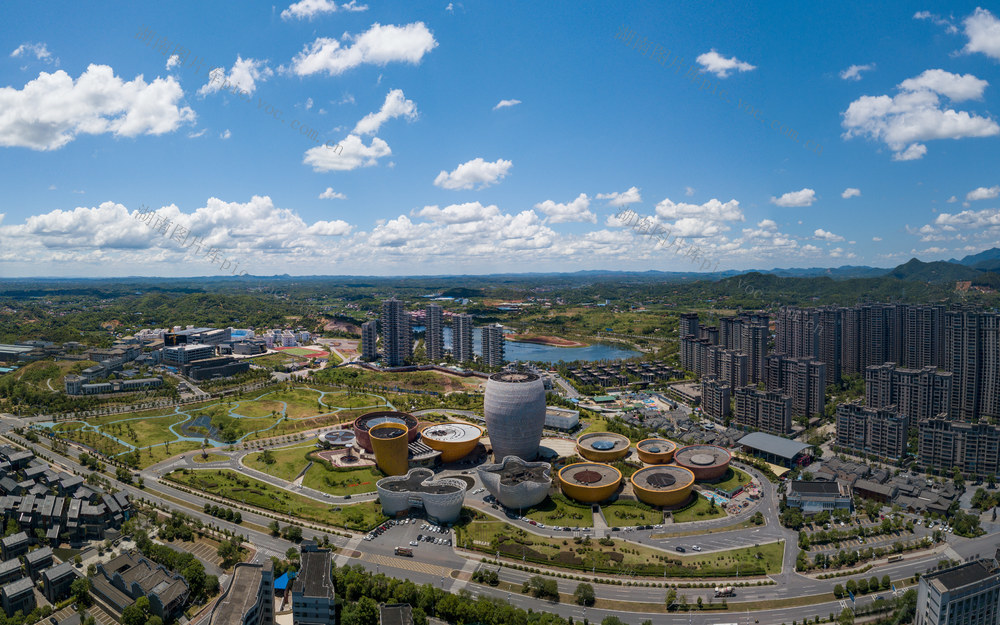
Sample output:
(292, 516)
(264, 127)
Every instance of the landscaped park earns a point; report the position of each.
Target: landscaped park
(607, 555)
(237, 487)
(145, 438)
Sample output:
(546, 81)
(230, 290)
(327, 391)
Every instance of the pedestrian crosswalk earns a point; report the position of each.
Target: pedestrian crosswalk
(407, 564)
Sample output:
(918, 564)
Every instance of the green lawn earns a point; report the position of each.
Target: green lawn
(210, 458)
(289, 462)
(733, 479)
(259, 408)
(698, 510)
(97, 441)
(144, 432)
(352, 400)
(301, 402)
(232, 485)
(557, 510)
(615, 557)
(324, 478)
(621, 514)
(152, 455)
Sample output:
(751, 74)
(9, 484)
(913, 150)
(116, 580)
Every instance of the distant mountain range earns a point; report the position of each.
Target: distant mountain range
(982, 269)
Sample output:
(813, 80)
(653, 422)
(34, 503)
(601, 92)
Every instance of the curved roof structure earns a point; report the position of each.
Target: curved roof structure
(656, 450)
(369, 420)
(517, 483)
(707, 462)
(454, 440)
(589, 482)
(337, 438)
(514, 407)
(663, 485)
(603, 446)
(441, 499)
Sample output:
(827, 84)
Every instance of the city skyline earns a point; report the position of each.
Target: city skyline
(350, 139)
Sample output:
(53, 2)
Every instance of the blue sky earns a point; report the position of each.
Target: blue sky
(491, 137)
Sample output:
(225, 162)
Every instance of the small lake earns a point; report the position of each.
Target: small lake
(546, 353)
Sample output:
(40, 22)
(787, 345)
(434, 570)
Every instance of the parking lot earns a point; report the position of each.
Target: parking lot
(410, 533)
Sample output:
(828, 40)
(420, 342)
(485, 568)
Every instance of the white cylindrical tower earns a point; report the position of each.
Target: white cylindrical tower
(514, 407)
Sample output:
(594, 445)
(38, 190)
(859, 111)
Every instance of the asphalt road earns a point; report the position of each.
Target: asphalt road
(433, 561)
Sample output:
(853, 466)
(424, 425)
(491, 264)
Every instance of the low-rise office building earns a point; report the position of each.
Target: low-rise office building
(816, 497)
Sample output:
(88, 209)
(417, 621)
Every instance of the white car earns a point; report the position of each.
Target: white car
(696, 547)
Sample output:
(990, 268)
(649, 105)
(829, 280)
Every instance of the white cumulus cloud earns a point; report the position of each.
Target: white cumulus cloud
(330, 194)
(623, 198)
(395, 105)
(916, 114)
(826, 235)
(577, 210)
(354, 154)
(850, 192)
(308, 9)
(719, 65)
(983, 193)
(51, 110)
(802, 197)
(243, 76)
(379, 45)
(983, 30)
(476, 173)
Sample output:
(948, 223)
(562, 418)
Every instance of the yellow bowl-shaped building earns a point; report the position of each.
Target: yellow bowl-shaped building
(602, 446)
(454, 440)
(656, 450)
(589, 482)
(389, 441)
(663, 486)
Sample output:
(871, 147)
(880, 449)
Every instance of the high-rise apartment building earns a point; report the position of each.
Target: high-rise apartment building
(434, 332)
(369, 340)
(916, 393)
(767, 411)
(688, 325)
(715, 396)
(972, 354)
(397, 337)
(974, 448)
(880, 432)
(461, 338)
(754, 333)
(802, 379)
(734, 368)
(967, 594)
(493, 345)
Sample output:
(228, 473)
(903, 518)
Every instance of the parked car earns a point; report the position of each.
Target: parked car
(679, 549)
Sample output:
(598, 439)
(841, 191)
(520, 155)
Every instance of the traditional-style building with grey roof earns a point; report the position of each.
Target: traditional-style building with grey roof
(14, 545)
(57, 580)
(18, 596)
(38, 560)
(10, 571)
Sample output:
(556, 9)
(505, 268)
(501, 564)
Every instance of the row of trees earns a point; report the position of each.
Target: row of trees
(862, 586)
